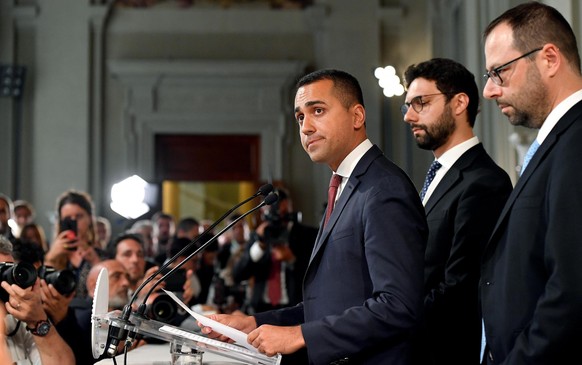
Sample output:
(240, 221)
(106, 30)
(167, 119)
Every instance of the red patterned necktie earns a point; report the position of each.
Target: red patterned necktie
(334, 183)
(274, 282)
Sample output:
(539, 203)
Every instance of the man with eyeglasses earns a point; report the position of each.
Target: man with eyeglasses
(531, 277)
(461, 203)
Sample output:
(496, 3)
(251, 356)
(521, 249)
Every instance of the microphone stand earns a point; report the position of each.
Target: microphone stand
(270, 199)
(117, 334)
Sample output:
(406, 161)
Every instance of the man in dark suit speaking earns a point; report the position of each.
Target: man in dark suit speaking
(462, 204)
(363, 285)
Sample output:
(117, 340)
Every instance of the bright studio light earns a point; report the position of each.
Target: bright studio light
(389, 81)
(128, 197)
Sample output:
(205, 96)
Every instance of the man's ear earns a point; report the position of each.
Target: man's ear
(460, 103)
(359, 115)
(552, 59)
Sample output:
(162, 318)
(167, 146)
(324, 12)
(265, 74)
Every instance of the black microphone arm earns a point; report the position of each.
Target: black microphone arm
(263, 190)
(117, 334)
(269, 199)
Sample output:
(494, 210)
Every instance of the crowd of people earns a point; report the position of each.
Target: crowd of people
(469, 271)
(222, 278)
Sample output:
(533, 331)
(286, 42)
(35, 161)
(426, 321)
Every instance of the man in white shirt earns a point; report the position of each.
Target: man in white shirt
(462, 203)
(531, 278)
(363, 285)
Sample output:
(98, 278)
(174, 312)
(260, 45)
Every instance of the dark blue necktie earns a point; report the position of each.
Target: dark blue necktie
(434, 166)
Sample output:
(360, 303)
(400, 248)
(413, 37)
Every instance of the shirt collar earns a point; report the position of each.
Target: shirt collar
(349, 163)
(451, 156)
(555, 115)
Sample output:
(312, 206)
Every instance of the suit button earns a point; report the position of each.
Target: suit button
(344, 361)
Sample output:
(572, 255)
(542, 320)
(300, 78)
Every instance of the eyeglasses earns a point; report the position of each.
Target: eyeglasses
(494, 74)
(416, 103)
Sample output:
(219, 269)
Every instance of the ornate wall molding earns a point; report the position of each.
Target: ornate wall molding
(205, 97)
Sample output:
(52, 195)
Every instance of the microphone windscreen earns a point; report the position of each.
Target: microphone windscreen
(271, 199)
(265, 189)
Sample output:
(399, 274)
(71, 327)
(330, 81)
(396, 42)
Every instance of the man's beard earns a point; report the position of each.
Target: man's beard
(118, 302)
(437, 134)
(530, 109)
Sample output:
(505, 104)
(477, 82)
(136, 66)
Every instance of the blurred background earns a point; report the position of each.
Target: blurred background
(196, 96)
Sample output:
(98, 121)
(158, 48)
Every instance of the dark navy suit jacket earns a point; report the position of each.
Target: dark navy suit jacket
(362, 292)
(531, 278)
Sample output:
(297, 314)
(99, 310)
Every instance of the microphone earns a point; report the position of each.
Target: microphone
(264, 190)
(269, 199)
(117, 334)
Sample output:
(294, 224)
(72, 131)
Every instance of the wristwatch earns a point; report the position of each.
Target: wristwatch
(41, 328)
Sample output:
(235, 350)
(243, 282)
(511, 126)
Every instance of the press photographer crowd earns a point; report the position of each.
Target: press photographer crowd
(48, 284)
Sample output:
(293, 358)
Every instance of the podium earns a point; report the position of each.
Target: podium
(137, 325)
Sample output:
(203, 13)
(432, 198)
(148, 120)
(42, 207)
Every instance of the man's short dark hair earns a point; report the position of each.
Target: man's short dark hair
(161, 215)
(27, 251)
(186, 224)
(126, 236)
(535, 24)
(346, 86)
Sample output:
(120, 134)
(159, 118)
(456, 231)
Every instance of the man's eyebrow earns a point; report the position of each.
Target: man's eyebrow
(310, 103)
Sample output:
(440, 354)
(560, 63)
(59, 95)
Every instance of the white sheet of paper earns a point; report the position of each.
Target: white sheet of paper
(239, 337)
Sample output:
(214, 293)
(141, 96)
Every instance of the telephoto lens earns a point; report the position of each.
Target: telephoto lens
(163, 308)
(22, 274)
(64, 281)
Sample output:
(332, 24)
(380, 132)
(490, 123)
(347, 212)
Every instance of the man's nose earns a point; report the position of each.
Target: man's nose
(491, 90)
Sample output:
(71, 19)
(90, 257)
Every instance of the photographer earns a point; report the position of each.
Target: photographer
(56, 286)
(276, 257)
(26, 333)
(73, 247)
(57, 290)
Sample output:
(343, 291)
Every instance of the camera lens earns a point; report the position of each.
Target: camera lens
(22, 274)
(64, 281)
(163, 308)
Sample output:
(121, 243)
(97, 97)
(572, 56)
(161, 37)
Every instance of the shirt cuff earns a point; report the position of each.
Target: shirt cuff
(256, 252)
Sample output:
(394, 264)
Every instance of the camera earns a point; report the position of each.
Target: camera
(69, 224)
(22, 274)
(276, 231)
(64, 281)
(163, 308)
(226, 296)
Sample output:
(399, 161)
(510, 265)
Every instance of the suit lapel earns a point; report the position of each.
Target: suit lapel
(453, 176)
(346, 194)
(563, 124)
(448, 181)
(532, 166)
